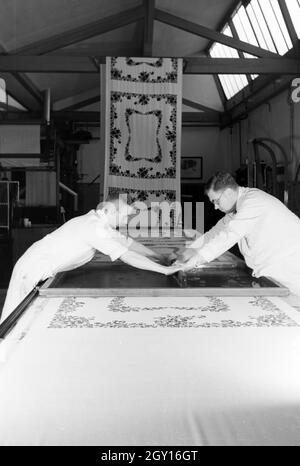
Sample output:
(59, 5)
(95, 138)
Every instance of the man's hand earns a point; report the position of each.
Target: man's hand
(186, 254)
(162, 259)
(192, 259)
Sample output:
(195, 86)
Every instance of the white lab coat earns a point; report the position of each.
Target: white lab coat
(267, 233)
(70, 246)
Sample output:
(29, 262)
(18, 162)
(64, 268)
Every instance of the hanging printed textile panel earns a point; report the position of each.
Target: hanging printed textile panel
(143, 128)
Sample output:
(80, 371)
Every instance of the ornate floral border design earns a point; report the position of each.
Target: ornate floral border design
(116, 134)
(144, 76)
(275, 317)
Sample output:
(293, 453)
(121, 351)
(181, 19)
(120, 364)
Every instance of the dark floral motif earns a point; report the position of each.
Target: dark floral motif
(269, 315)
(276, 316)
(176, 321)
(170, 172)
(144, 76)
(115, 97)
(171, 133)
(143, 172)
(142, 100)
(133, 194)
(116, 74)
(116, 134)
(157, 63)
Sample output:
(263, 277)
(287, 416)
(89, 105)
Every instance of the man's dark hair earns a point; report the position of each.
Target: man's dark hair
(220, 180)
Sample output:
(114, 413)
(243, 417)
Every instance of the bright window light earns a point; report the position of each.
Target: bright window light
(281, 23)
(2, 91)
(14, 103)
(247, 55)
(243, 27)
(273, 25)
(260, 26)
(260, 23)
(232, 83)
(294, 9)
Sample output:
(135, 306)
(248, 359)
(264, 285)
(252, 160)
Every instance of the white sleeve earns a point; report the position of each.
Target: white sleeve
(231, 230)
(111, 242)
(208, 235)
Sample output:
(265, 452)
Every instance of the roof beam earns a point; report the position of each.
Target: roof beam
(149, 6)
(188, 118)
(261, 90)
(84, 32)
(278, 65)
(235, 35)
(16, 89)
(46, 64)
(194, 65)
(266, 93)
(261, 82)
(83, 103)
(200, 119)
(214, 36)
(225, 20)
(12, 84)
(202, 108)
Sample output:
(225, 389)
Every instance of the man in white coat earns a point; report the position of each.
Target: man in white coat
(266, 231)
(74, 244)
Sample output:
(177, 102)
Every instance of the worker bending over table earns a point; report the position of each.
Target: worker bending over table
(74, 244)
(266, 231)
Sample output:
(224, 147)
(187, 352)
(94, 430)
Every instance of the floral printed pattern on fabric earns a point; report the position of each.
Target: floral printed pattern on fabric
(120, 70)
(143, 115)
(163, 312)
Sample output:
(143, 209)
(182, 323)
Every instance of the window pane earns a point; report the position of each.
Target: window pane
(247, 55)
(256, 26)
(2, 91)
(263, 26)
(243, 27)
(231, 83)
(13, 103)
(281, 23)
(294, 9)
(274, 28)
(228, 92)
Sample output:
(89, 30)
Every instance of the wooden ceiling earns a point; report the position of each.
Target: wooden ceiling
(59, 44)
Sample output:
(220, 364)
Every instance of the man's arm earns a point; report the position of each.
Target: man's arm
(228, 231)
(189, 259)
(142, 262)
(143, 250)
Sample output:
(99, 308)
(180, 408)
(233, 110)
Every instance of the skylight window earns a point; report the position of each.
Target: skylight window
(14, 103)
(243, 27)
(294, 9)
(2, 91)
(274, 19)
(260, 23)
(260, 26)
(232, 83)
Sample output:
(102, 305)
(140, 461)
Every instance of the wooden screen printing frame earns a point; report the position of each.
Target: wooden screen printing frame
(106, 279)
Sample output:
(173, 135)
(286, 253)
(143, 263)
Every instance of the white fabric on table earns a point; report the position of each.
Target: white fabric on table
(76, 375)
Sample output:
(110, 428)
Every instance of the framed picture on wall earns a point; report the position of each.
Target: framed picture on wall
(191, 168)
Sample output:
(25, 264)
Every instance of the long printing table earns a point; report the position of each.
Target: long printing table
(81, 368)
